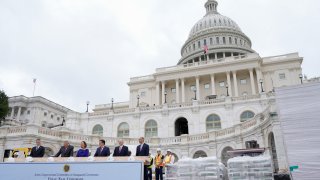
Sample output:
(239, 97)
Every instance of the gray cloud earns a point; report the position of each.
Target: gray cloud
(83, 50)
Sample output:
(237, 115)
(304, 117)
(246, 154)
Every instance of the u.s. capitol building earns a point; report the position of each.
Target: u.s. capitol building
(218, 96)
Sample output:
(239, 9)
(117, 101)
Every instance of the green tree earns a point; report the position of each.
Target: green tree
(4, 105)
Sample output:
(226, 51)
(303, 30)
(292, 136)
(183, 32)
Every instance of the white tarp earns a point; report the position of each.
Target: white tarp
(299, 113)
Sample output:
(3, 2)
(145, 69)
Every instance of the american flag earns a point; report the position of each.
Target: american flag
(206, 49)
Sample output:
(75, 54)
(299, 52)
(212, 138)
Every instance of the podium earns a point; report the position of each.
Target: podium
(101, 168)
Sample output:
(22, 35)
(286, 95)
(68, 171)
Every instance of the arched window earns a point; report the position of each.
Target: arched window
(199, 154)
(273, 152)
(151, 129)
(246, 115)
(225, 156)
(213, 122)
(123, 130)
(97, 130)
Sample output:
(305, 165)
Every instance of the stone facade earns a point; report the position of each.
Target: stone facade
(207, 104)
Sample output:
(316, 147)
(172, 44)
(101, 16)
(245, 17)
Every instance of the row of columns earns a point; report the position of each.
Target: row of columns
(18, 115)
(213, 89)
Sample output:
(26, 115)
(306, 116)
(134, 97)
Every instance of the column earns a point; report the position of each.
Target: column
(229, 83)
(157, 93)
(215, 56)
(163, 90)
(198, 87)
(177, 91)
(213, 85)
(207, 57)
(258, 72)
(253, 87)
(19, 113)
(12, 113)
(183, 98)
(235, 82)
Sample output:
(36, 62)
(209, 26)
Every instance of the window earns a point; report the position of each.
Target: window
(211, 41)
(207, 86)
(45, 114)
(246, 115)
(224, 40)
(43, 124)
(199, 44)
(205, 42)
(173, 90)
(241, 41)
(97, 130)
(199, 154)
(221, 84)
(282, 76)
(51, 116)
(236, 41)
(123, 130)
(243, 81)
(217, 39)
(151, 129)
(143, 94)
(58, 118)
(194, 46)
(230, 40)
(213, 122)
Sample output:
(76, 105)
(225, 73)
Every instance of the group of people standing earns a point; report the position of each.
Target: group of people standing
(159, 161)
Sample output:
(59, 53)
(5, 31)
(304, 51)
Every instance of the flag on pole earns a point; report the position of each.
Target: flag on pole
(34, 85)
(206, 49)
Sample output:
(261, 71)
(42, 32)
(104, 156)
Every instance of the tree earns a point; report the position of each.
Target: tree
(4, 105)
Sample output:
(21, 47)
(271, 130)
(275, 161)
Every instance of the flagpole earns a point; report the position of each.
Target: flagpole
(34, 86)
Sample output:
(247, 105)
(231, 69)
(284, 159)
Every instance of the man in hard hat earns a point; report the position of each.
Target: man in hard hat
(169, 158)
(158, 162)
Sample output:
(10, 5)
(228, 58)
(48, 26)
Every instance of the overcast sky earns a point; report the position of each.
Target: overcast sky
(83, 50)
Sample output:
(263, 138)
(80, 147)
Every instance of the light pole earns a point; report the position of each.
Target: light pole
(227, 87)
(261, 82)
(111, 103)
(138, 98)
(165, 97)
(88, 106)
(300, 76)
(195, 93)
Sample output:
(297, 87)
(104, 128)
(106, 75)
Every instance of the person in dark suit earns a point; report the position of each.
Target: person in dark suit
(102, 150)
(38, 150)
(121, 150)
(66, 150)
(143, 150)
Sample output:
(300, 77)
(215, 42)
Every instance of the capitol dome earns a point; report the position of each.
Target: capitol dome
(217, 35)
